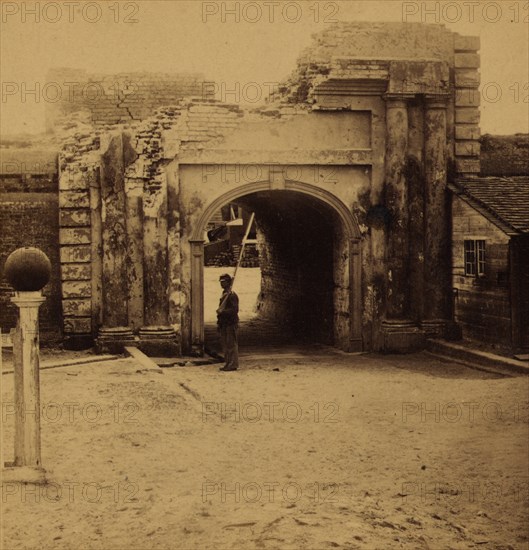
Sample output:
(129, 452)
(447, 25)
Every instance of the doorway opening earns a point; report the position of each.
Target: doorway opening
(292, 270)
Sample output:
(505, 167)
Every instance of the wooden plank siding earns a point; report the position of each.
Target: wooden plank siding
(482, 305)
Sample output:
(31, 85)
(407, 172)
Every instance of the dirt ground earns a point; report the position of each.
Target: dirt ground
(308, 450)
(303, 448)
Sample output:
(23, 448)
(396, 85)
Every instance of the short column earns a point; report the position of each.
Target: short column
(115, 333)
(398, 332)
(197, 297)
(157, 337)
(437, 287)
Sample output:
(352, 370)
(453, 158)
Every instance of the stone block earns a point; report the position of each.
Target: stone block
(468, 165)
(466, 78)
(76, 272)
(72, 180)
(74, 235)
(467, 97)
(405, 341)
(418, 77)
(467, 115)
(75, 254)
(466, 43)
(467, 148)
(76, 289)
(74, 218)
(74, 199)
(77, 325)
(466, 60)
(77, 308)
(467, 131)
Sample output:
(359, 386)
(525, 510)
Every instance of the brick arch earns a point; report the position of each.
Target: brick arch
(352, 235)
(348, 219)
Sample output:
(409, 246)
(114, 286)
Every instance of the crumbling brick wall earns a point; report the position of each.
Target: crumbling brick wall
(119, 98)
(29, 216)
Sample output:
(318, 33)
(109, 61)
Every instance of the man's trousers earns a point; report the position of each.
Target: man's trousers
(230, 346)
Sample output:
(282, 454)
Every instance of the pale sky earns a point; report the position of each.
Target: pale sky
(181, 36)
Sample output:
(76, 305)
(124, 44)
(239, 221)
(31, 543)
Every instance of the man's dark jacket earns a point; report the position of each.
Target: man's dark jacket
(229, 306)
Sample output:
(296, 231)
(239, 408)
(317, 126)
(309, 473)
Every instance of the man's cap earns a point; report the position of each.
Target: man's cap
(225, 277)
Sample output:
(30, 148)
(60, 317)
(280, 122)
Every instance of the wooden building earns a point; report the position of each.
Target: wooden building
(490, 260)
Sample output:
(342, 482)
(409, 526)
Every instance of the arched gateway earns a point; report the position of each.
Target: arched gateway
(356, 151)
(347, 330)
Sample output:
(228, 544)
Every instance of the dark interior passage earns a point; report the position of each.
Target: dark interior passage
(296, 236)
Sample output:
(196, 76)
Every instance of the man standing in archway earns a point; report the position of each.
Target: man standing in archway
(228, 322)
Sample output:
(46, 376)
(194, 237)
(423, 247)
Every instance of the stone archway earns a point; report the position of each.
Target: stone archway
(350, 247)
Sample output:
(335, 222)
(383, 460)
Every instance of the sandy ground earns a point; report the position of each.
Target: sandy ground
(309, 450)
(303, 448)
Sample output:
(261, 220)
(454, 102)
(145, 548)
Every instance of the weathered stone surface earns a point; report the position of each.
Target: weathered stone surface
(466, 60)
(114, 232)
(77, 307)
(156, 298)
(466, 43)
(467, 148)
(467, 97)
(73, 180)
(466, 78)
(467, 115)
(411, 77)
(74, 235)
(396, 200)
(74, 218)
(74, 199)
(76, 289)
(77, 325)
(467, 166)
(76, 272)
(436, 223)
(467, 132)
(73, 254)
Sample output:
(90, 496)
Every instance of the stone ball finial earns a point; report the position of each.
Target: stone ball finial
(27, 269)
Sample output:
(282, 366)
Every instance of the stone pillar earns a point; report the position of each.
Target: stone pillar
(27, 270)
(415, 182)
(197, 296)
(436, 308)
(399, 333)
(27, 394)
(157, 337)
(27, 389)
(115, 332)
(96, 244)
(355, 298)
(134, 207)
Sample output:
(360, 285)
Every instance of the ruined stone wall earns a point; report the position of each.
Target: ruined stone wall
(412, 58)
(119, 98)
(120, 216)
(134, 180)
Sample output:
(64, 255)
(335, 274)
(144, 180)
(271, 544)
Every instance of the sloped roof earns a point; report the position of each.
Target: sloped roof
(503, 201)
